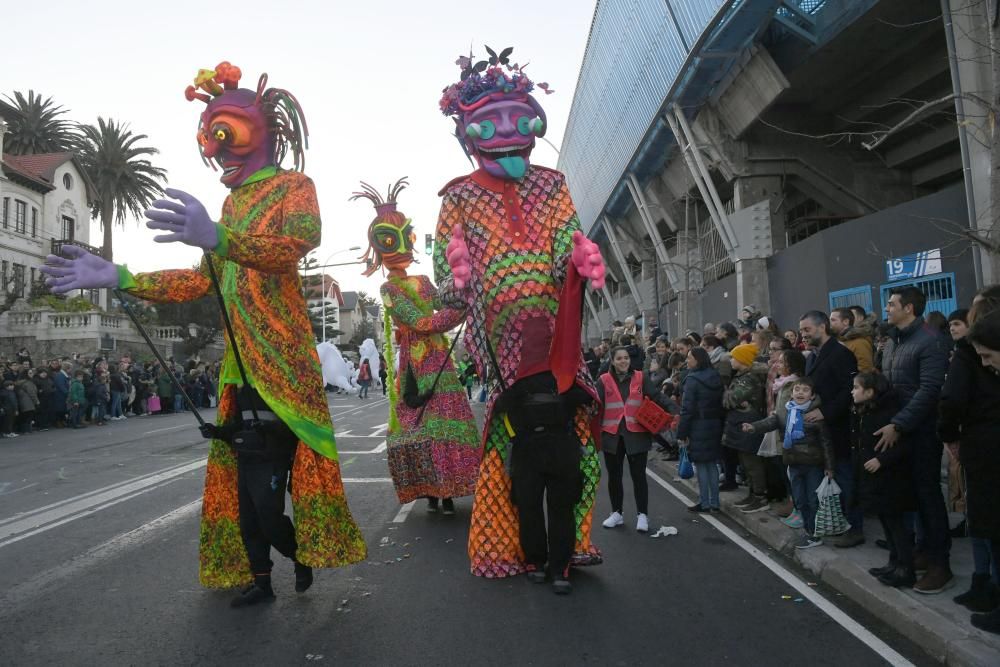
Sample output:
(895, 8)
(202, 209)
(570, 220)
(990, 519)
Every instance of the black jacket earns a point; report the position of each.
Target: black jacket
(702, 415)
(914, 361)
(890, 489)
(832, 370)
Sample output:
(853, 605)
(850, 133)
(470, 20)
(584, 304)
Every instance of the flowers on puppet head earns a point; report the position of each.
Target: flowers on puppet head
(496, 117)
(243, 131)
(390, 235)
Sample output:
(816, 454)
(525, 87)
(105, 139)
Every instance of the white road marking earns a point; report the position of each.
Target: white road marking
(379, 431)
(169, 428)
(404, 512)
(884, 651)
(344, 434)
(378, 450)
(38, 584)
(360, 407)
(26, 524)
(366, 480)
(5, 492)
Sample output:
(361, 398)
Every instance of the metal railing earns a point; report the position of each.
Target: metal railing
(57, 245)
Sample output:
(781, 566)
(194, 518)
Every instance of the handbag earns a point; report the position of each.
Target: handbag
(153, 403)
(684, 467)
(830, 519)
(770, 447)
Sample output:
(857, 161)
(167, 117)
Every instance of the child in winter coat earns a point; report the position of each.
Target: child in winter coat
(807, 450)
(76, 401)
(886, 485)
(745, 402)
(8, 399)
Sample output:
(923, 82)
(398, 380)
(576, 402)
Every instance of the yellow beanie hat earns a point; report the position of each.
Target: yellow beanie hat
(745, 354)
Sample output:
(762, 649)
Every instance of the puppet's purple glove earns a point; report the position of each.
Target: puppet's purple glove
(78, 270)
(187, 221)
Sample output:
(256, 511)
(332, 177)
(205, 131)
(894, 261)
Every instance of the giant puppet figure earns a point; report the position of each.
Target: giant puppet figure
(509, 247)
(433, 443)
(269, 221)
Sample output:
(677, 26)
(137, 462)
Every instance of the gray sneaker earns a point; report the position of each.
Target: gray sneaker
(746, 501)
(756, 504)
(808, 542)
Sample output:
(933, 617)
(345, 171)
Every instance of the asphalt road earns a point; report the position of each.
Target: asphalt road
(98, 566)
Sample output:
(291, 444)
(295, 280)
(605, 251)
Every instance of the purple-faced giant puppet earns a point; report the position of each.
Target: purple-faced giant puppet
(269, 221)
(509, 247)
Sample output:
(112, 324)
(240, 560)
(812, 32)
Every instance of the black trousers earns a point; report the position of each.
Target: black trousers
(263, 523)
(730, 461)
(637, 471)
(899, 538)
(547, 466)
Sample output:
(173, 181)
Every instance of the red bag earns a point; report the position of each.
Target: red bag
(651, 416)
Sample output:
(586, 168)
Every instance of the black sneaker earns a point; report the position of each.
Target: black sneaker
(698, 509)
(251, 595)
(432, 504)
(448, 507)
(901, 576)
(748, 500)
(303, 577)
(879, 571)
(535, 574)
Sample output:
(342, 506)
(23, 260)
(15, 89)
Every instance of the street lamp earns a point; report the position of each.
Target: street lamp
(322, 279)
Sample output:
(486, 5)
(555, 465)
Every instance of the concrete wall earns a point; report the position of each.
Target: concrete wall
(854, 254)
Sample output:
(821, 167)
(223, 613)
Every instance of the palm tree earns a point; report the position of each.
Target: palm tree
(37, 127)
(126, 182)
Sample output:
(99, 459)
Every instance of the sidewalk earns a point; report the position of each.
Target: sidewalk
(933, 622)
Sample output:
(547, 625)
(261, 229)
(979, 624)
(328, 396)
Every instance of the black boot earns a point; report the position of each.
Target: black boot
(901, 576)
(303, 577)
(989, 622)
(447, 507)
(982, 596)
(432, 504)
(560, 582)
(259, 591)
(885, 569)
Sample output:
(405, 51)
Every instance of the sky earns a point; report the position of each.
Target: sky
(367, 74)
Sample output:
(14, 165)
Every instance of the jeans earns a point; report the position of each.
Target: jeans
(982, 557)
(363, 392)
(75, 415)
(116, 404)
(178, 402)
(805, 480)
(843, 475)
(101, 412)
(935, 540)
(708, 484)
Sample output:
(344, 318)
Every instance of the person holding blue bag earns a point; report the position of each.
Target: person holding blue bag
(699, 431)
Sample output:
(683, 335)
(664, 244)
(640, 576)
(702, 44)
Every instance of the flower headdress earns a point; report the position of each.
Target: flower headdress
(480, 80)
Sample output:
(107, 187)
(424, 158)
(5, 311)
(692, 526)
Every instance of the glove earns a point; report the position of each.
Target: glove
(79, 269)
(209, 431)
(587, 259)
(457, 254)
(187, 221)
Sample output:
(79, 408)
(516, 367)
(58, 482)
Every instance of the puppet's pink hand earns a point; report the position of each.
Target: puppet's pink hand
(587, 259)
(457, 254)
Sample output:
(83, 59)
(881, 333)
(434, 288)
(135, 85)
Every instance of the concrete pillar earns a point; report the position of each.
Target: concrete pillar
(687, 263)
(751, 284)
(750, 190)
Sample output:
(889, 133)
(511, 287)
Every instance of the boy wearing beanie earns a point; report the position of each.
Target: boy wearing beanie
(745, 403)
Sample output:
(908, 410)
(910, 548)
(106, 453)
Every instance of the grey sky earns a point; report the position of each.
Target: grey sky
(368, 75)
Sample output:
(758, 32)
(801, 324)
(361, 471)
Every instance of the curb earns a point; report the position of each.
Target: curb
(948, 642)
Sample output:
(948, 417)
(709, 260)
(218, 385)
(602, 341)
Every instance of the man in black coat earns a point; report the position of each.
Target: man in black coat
(915, 360)
(832, 369)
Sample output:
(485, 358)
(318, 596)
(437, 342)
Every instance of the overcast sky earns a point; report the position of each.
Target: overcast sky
(368, 75)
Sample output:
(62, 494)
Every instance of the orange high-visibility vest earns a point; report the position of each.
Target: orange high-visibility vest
(615, 408)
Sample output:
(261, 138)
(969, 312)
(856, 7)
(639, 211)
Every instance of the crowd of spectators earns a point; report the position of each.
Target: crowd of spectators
(79, 391)
(881, 408)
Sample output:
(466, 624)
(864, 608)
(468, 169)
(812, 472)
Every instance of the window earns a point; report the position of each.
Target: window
(20, 213)
(3, 276)
(67, 181)
(68, 225)
(34, 222)
(6, 211)
(18, 280)
(31, 285)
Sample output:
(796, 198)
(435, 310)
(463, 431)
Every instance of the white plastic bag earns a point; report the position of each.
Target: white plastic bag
(830, 519)
(770, 446)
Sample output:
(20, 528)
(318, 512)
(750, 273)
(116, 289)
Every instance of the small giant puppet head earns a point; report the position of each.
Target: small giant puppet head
(390, 235)
(243, 131)
(496, 118)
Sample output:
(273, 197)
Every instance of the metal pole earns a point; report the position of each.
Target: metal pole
(156, 353)
(323, 311)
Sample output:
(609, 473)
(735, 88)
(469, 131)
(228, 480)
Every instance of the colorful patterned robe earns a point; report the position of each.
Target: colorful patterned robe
(520, 239)
(266, 227)
(438, 455)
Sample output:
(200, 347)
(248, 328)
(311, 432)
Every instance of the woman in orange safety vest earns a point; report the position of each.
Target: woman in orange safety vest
(621, 390)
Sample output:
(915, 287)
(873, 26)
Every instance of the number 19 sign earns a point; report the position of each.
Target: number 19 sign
(916, 265)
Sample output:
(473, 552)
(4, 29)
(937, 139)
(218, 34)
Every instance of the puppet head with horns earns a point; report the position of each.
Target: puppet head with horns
(243, 131)
(496, 118)
(390, 235)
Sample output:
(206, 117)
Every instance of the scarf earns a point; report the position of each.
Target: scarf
(716, 354)
(794, 426)
(781, 381)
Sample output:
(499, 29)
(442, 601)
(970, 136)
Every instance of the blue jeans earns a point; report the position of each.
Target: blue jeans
(843, 475)
(983, 558)
(178, 402)
(805, 480)
(116, 404)
(708, 484)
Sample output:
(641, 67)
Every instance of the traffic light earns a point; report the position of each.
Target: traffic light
(428, 243)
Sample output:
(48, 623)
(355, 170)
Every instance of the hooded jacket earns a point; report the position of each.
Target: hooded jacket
(745, 402)
(702, 415)
(860, 345)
